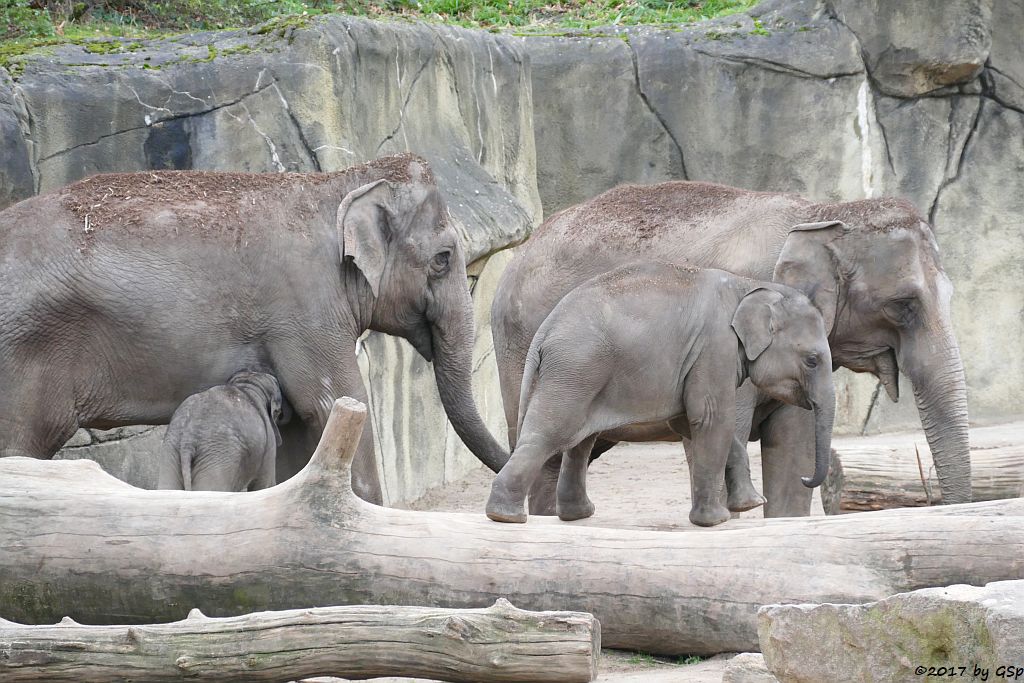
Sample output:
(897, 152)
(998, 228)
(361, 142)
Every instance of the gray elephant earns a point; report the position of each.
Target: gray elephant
(870, 266)
(658, 343)
(224, 438)
(123, 294)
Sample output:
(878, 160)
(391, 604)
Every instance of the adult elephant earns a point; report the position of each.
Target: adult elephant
(121, 295)
(871, 267)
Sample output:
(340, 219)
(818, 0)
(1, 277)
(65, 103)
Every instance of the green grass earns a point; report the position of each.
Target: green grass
(32, 23)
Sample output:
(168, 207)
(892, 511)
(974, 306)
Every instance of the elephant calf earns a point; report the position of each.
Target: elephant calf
(658, 343)
(224, 438)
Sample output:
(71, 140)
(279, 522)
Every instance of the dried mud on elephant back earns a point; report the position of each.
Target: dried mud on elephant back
(213, 202)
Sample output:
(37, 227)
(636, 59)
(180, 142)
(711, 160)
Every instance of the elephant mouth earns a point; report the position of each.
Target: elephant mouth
(880, 362)
(423, 342)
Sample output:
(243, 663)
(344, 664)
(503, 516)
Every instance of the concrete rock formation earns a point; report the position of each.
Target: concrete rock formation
(899, 638)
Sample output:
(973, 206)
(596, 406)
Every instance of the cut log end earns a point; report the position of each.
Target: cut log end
(340, 439)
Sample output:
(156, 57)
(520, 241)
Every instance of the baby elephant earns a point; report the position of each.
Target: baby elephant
(649, 343)
(224, 438)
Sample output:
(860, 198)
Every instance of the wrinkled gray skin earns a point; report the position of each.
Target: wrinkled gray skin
(871, 267)
(120, 325)
(649, 343)
(224, 438)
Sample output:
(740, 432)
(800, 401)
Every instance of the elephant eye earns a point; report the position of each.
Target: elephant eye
(811, 361)
(901, 311)
(440, 262)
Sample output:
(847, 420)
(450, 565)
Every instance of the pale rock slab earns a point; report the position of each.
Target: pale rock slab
(888, 640)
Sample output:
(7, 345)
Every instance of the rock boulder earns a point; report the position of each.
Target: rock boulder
(900, 638)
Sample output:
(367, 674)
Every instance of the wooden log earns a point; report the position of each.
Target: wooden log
(76, 541)
(500, 643)
(873, 474)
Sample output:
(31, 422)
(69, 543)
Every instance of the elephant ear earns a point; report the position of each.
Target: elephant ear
(364, 229)
(752, 320)
(274, 402)
(808, 263)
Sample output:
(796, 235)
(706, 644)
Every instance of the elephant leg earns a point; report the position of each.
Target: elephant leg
(740, 492)
(507, 502)
(37, 411)
(787, 452)
(544, 490)
(311, 399)
(572, 502)
(712, 419)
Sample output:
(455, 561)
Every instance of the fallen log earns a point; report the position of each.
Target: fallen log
(500, 643)
(881, 476)
(76, 541)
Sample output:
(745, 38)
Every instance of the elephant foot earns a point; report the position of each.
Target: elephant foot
(741, 501)
(503, 507)
(570, 512)
(709, 515)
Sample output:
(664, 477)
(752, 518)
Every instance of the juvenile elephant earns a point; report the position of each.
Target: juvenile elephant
(224, 438)
(123, 294)
(660, 343)
(871, 267)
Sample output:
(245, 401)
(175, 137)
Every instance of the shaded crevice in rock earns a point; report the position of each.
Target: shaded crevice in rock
(989, 88)
(683, 175)
(300, 133)
(958, 168)
(172, 117)
(405, 103)
(777, 67)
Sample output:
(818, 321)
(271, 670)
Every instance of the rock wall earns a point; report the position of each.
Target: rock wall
(835, 100)
(321, 95)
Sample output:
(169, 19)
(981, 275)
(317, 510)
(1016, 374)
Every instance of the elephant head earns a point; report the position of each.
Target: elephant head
(872, 268)
(263, 389)
(397, 235)
(787, 356)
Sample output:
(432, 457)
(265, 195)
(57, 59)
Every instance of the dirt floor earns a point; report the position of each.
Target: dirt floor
(633, 485)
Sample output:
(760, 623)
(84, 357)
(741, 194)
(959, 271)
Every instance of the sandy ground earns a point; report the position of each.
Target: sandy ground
(633, 485)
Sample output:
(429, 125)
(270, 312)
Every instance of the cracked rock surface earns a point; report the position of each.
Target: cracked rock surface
(888, 640)
(320, 97)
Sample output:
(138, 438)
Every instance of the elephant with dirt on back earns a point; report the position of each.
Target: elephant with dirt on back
(123, 294)
(655, 342)
(224, 438)
(871, 267)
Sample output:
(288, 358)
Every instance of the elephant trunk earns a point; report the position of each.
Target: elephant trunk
(452, 336)
(937, 373)
(823, 401)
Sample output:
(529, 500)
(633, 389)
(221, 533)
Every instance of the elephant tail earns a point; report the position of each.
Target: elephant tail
(529, 373)
(185, 460)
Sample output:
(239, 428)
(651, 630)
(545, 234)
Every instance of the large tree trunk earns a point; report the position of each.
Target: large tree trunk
(500, 643)
(880, 476)
(75, 541)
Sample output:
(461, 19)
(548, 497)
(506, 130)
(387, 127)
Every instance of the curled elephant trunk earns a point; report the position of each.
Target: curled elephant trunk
(823, 402)
(937, 373)
(452, 341)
